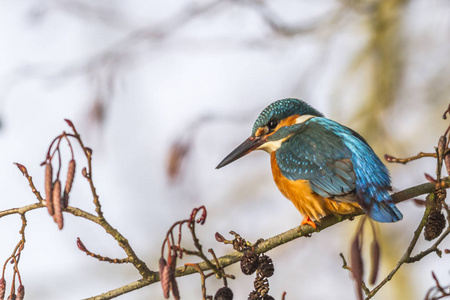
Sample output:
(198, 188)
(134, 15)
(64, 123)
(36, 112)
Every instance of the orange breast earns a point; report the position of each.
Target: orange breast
(308, 203)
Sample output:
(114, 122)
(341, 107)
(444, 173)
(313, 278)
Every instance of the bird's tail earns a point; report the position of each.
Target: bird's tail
(380, 206)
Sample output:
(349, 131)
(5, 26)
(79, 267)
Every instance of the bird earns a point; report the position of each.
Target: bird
(323, 167)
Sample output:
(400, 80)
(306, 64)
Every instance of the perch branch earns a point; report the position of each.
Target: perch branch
(269, 244)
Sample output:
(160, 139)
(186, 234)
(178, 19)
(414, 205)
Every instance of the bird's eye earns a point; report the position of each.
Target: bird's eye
(272, 124)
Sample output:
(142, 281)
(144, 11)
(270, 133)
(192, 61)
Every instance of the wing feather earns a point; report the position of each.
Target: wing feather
(324, 161)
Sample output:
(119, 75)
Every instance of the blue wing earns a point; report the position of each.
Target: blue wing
(339, 164)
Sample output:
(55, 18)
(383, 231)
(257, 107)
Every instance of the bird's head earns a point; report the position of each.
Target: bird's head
(273, 126)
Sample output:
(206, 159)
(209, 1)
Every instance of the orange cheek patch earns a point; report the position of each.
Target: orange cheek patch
(259, 131)
(287, 122)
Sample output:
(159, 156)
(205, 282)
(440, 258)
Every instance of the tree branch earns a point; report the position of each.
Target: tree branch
(271, 243)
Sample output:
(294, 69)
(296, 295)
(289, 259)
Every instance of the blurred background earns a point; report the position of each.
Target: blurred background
(163, 90)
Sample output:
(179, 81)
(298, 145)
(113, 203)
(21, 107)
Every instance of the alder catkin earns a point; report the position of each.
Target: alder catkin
(48, 187)
(57, 207)
(20, 292)
(357, 264)
(165, 281)
(375, 260)
(174, 288)
(2, 288)
(69, 182)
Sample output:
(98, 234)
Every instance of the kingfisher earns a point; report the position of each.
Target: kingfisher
(323, 167)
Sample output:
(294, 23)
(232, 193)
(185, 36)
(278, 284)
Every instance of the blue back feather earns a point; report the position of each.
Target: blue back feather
(337, 161)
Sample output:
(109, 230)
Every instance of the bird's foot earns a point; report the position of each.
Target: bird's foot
(307, 220)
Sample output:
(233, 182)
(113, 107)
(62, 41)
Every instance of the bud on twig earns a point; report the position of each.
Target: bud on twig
(389, 158)
(88, 151)
(22, 168)
(84, 172)
(57, 204)
(219, 237)
(69, 182)
(80, 245)
(430, 178)
(48, 187)
(69, 123)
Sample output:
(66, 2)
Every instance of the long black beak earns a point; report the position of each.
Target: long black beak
(246, 147)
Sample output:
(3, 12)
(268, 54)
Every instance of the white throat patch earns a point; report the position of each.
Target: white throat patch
(271, 146)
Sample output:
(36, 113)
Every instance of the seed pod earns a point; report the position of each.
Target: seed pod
(57, 205)
(224, 293)
(261, 285)
(20, 292)
(434, 225)
(249, 263)
(265, 268)
(253, 295)
(48, 188)
(69, 182)
(2, 288)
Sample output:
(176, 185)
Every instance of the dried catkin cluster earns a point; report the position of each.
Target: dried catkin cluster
(57, 200)
(263, 265)
(167, 277)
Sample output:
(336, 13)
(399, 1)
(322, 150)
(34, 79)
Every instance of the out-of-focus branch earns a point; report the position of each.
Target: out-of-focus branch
(328, 21)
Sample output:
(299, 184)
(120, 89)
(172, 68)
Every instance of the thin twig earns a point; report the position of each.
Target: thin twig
(392, 159)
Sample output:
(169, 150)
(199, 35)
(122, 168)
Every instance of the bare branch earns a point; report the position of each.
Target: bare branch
(269, 244)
